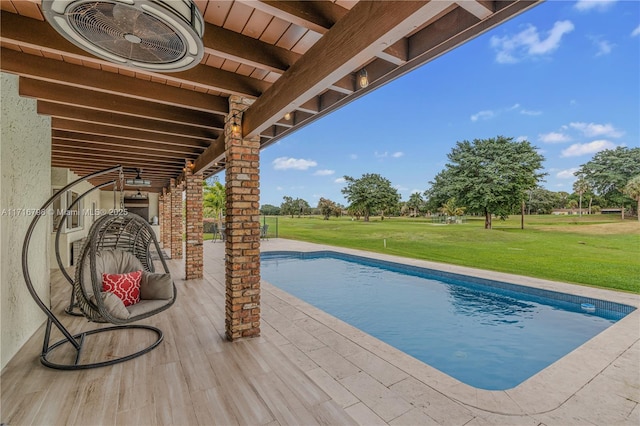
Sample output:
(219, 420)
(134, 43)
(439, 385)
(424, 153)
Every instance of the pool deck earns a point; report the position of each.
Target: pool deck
(598, 383)
(308, 367)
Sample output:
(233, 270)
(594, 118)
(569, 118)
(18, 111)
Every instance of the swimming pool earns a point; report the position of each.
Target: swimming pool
(488, 334)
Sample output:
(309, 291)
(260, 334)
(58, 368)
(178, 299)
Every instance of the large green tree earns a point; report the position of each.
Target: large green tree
(632, 189)
(609, 171)
(326, 207)
(488, 176)
(371, 193)
(291, 206)
(416, 203)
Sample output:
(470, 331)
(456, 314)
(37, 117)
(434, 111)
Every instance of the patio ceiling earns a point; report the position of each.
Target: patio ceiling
(297, 57)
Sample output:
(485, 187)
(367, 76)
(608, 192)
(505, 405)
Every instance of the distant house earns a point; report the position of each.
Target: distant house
(569, 211)
(614, 210)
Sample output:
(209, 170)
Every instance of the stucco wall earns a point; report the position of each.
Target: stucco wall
(25, 183)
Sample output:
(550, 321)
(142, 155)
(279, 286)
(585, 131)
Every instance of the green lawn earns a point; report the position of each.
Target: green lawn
(599, 250)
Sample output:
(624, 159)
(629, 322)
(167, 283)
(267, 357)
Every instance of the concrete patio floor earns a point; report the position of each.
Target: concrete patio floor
(311, 368)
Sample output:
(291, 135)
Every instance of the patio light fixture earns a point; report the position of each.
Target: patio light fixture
(363, 78)
(287, 116)
(235, 125)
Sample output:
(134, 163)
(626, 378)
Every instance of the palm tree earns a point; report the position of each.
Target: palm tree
(450, 208)
(632, 189)
(581, 186)
(214, 201)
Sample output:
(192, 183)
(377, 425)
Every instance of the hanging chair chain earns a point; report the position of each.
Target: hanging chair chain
(121, 182)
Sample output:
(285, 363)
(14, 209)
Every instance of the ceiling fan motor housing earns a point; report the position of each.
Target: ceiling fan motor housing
(154, 35)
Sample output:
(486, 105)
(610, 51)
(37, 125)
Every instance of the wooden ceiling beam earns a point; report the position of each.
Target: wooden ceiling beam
(59, 140)
(40, 36)
(318, 16)
(367, 29)
(85, 115)
(247, 50)
(55, 71)
(479, 9)
(116, 159)
(106, 102)
(108, 132)
(101, 142)
(213, 154)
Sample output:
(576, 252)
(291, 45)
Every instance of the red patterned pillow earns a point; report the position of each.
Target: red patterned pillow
(125, 286)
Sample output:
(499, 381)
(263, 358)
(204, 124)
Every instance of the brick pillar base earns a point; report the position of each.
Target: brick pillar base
(194, 230)
(242, 317)
(176, 220)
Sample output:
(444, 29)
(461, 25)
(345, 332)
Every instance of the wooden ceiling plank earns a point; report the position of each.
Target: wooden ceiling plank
(107, 102)
(78, 76)
(125, 121)
(365, 30)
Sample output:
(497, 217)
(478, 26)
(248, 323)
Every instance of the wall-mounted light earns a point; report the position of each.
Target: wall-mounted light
(287, 116)
(363, 78)
(235, 124)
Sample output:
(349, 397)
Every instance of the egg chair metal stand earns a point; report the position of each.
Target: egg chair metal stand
(119, 235)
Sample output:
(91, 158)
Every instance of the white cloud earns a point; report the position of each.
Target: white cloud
(528, 43)
(529, 112)
(567, 174)
(324, 172)
(286, 163)
(353, 156)
(521, 138)
(401, 188)
(553, 137)
(578, 149)
(603, 46)
(279, 188)
(592, 130)
(339, 180)
(381, 154)
(397, 154)
(636, 32)
(483, 115)
(600, 5)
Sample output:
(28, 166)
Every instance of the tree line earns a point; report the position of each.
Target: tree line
(490, 177)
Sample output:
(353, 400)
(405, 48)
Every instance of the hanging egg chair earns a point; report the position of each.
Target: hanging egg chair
(115, 279)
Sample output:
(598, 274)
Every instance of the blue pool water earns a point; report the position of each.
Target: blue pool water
(488, 334)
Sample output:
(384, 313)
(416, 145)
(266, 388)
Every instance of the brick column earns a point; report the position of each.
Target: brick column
(176, 220)
(166, 219)
(242, 228)
(194, 229)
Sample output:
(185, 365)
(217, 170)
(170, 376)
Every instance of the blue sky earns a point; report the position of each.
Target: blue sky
(565, 75)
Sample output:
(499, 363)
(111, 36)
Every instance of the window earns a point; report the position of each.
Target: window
(75, 212)
(75, 215)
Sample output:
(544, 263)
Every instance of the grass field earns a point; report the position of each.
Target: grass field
(598, 250)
